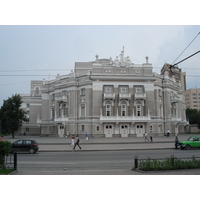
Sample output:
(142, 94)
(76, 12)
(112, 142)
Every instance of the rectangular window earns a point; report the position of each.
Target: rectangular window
(123, 110)
(138, 90)
(82, 110)
(64, 93)
(123, 89)
(28, 105)
(82, 92)
(108, 89)
(108, 110)
(138, 111)
(53, 113)
(82, 128)
(65, 112)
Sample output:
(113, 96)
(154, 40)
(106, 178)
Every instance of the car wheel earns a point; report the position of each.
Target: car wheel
(31, 151)
(187, 147)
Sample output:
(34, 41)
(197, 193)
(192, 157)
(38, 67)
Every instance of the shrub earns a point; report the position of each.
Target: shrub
(5, 148)
(168, 164)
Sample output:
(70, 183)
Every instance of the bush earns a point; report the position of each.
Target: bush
(5, 148)
(168, 164)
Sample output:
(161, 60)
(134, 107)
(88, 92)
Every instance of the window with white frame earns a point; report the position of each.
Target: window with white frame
(108, 89)
(138, 110)
(108, 105)
(123, 110)
(123, 89)
(65, 112)
(138, 90)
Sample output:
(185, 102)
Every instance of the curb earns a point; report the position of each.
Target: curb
(82, 150)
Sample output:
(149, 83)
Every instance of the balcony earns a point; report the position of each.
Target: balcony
(174, 99)
(124, 96)
(109, 96)
(140, 95)
(125, 118)
(61, 98)
(61, 119)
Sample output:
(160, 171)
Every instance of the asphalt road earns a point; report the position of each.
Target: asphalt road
(92, 160)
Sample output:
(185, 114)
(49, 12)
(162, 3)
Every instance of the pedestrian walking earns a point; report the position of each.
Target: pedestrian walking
(151, 137)
(86, 136)
(72, 142)
(146, 137)
(176, 142)
(77, 142)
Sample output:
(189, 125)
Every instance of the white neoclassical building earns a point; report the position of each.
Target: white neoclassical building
(108, 98)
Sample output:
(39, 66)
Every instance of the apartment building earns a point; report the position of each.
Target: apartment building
(107, 98)
(192, 98)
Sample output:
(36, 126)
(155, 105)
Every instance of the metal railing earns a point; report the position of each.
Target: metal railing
(138, 161)
(11, 161)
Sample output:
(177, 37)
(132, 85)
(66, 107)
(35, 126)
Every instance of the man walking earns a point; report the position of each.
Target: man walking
(77, 142)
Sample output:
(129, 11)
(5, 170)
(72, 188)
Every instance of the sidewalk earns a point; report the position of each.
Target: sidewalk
(50, 144)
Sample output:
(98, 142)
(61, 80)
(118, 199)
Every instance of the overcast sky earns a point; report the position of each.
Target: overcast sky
(37, 52)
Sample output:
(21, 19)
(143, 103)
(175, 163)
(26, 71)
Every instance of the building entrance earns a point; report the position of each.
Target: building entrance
(124, 130)
(139, 130)
(108, 129)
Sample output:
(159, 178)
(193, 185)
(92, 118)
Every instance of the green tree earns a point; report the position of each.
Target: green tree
(11, 114)
(5, 148)
(192, 115)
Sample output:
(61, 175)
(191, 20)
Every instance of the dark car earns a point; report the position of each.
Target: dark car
(30, 146)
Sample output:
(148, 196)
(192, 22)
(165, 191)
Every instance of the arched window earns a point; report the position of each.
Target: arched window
(37, 90)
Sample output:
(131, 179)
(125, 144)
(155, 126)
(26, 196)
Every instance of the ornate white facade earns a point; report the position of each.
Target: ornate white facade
(109, 98)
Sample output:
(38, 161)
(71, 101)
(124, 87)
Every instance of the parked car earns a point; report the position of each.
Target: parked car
(30, 146)
(192, 141)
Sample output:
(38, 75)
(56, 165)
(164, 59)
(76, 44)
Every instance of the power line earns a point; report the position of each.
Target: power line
(29, 70)
(186, 48)
(26, 75)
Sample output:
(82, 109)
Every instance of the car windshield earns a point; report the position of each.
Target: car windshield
(190, 138)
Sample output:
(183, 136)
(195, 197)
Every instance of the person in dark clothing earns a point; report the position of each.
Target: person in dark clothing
(77, 142)
(176, 142)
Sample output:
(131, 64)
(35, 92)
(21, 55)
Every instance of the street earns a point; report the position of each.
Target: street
(51, 162)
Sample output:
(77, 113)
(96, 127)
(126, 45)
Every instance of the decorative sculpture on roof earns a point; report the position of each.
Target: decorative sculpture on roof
(123, 61)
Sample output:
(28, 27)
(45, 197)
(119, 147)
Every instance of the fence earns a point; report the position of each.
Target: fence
(171, 160)
(11, 161)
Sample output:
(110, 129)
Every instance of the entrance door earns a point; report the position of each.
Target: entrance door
(139, 130)
(124, 130)
(108, 130)
(61, 130)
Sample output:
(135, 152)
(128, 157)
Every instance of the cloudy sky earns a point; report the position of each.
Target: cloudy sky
(37, 52)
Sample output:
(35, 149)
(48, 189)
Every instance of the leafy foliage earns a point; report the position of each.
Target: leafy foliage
(194, 116)
(5, 148)
(168, 164)
(11, 115)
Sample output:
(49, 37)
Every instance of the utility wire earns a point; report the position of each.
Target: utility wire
(29, 70)
(186, 48)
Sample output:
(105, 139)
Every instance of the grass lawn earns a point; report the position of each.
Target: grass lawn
(6, 171)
